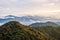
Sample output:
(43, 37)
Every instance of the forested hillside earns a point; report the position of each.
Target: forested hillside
(15, 31)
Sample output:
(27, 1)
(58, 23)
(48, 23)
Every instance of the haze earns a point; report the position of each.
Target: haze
(46, 8)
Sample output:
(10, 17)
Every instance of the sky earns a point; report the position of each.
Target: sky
(48, 8)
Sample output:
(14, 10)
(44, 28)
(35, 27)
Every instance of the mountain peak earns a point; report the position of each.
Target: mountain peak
(13, 23)
(14, 31)
(10, 16)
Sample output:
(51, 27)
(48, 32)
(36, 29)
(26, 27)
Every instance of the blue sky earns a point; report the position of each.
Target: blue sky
(30, 7)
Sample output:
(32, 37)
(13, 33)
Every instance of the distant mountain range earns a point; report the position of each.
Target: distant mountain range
(26, 20)
(43, 24)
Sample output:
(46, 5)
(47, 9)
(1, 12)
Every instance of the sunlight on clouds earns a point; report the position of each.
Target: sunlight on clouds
(39, 0)
(30, 7)
(12, 0)
(39, 12)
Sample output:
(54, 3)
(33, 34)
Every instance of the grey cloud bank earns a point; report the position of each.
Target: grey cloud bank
(30, 7)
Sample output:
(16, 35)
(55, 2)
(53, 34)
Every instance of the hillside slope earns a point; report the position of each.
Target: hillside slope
(50, 31)
(15, 31)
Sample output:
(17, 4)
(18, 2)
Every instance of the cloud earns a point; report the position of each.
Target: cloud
(30, 7)
(27, 3)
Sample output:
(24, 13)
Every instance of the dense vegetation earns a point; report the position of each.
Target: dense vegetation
(15, 31)
(49, 31)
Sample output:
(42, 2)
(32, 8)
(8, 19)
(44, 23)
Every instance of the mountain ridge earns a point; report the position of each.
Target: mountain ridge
(15, 31)
(26, 20)
(43, 24)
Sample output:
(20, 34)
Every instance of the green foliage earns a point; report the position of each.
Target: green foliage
(49, 31)
(16, 31)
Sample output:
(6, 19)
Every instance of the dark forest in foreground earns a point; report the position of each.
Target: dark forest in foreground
(15, 31)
